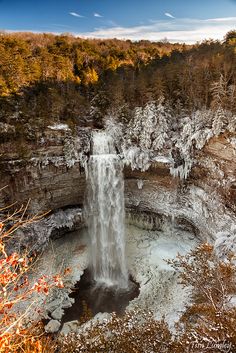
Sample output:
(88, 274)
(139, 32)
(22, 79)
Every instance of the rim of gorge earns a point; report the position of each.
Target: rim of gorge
(135, 185)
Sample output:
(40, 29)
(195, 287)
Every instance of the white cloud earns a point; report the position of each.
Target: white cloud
(169, 15)
(75, 14)
(97, 14)
(176, 30)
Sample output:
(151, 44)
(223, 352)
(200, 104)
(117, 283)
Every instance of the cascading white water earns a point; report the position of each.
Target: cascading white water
(105, 213)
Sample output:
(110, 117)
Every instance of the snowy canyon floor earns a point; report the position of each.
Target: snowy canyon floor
(146, 252)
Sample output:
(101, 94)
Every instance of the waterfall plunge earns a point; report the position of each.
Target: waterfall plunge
(105, 213)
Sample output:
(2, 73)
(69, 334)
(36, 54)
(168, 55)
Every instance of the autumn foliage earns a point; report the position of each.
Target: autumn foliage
(17, 333)
(34, 57)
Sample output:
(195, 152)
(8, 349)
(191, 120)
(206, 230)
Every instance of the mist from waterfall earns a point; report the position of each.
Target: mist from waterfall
(105, 213)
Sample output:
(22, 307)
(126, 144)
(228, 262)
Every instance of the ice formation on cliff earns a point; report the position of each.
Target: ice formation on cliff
(155, 131)
(226, 241)
(38, 234)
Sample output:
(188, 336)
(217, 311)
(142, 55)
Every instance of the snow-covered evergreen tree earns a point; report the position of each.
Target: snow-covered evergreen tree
(232, 124)
(149, 127)
(155, 131)
(160, 135)
(219, 91)
(134, 127)
(218, 122)
(149, 119)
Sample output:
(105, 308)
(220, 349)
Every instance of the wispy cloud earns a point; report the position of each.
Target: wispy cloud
(75, 14)
(112, 23)
(175, 30)
(169, 15)
(97, 14)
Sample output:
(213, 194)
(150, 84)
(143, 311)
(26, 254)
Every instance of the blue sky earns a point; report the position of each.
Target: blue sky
(176, 20)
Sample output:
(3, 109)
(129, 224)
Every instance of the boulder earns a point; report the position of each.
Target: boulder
(53, 326)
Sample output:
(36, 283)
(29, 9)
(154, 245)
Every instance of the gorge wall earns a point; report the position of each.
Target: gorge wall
(49, 174)
(205, 200)
(52, 176)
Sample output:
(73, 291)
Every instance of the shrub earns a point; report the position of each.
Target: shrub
(210, 320)
(16, 334)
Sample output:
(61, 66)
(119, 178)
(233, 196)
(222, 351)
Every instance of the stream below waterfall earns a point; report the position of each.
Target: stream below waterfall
(91, 298)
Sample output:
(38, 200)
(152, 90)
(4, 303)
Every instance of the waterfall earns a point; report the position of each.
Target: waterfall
(105, 213)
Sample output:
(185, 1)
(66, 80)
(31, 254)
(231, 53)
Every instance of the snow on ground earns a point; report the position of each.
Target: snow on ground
(159, 289)
(68, 252)
(163, 159)
(64, 127)
(146, 252)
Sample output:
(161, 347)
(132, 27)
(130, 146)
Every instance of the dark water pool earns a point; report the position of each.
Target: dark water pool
(98, 298)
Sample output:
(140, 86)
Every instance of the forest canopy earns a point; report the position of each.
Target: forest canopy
(26, 58)
(74, 80)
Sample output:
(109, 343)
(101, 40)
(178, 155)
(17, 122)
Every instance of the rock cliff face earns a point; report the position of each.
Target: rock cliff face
(48, 175)
(47, 188)
(205, 201)
(49, 172)
(52, 176)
